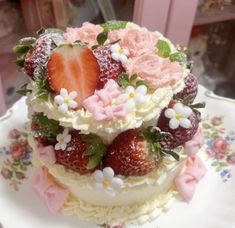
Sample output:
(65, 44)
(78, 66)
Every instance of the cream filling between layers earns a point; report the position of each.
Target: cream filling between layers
(145, 115)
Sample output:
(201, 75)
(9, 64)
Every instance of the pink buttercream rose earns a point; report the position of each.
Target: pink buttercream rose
(156, 71)
(220, 145)
(87, 33)
(137, 41)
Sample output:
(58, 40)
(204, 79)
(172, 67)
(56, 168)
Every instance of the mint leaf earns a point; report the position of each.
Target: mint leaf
(21, 49)
(102, 37)
(164, 49)
(113, 25)
(178, 57)
(42, 86)
(46, 127)
(123, 80)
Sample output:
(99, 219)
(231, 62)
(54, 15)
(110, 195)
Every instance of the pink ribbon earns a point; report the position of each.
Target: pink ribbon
(54, 195)
(192, 147)
(46, 154)
(100, 105)
(186, 183)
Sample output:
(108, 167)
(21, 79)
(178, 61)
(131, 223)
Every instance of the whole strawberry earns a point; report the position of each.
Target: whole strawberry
(180, 121)
(37, 57)
(190, 90)
(78, 152)
(109, 68)
(134, 152)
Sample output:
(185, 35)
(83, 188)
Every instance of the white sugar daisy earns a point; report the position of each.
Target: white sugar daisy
(178, 116)
(65, 100)
(62, 140)
(118, 53)
(132, 97)
(105, 181)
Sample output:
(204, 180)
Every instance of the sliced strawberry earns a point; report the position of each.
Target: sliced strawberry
(74, 68)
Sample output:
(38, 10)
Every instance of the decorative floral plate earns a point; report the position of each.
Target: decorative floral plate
(213, 205)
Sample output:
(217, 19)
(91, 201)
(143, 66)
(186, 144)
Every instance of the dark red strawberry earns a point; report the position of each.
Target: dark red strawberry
(190, 90)
(75, 68)
(179, 135)
(82, 154)
(109, 68)
(129, 154)
(37, 57)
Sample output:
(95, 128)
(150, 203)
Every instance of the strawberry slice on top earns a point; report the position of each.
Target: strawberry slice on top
(75, 68)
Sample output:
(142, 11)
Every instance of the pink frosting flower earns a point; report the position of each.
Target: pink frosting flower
(100, 104)
(186, 182)
(156, 71)
(220, 145)
(14, 133)
(87, 33)
(193, 145)
(46, 154)
(136, 41)
(54, 195)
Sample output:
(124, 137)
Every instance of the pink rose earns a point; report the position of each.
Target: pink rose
(231, 159)
(14, 133)
(137, 41)
(87, 33)
(6, 173)
(156, 71)
(217, 120)
(220, 145)
(17, 151)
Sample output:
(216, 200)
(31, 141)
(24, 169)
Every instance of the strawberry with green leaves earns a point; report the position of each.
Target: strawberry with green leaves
(80, 153)
(136, 152)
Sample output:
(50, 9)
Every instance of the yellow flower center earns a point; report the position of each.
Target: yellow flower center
(66, 100)
(106, 183)
(131, 95)
(178, 116)
(121, 51)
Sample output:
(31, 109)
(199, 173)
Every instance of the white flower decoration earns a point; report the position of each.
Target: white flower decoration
(118, 53)
(106, 181)
(133, 97)
(63, 139)
(178, 116)
(65, 100)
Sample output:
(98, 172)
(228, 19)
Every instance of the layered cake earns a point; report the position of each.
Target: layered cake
(112, 121)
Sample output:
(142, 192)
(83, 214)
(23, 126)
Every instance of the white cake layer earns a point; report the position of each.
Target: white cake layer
(135, 189)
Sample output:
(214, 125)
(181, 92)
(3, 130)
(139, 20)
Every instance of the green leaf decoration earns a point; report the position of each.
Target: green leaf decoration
(113, 25)
(27, 41)
(96, 150)
(21, 49)
(20, 62)
(42, 31)
(198, 105)
(153, 135)
(164, 49)
(124, 80)
(178, 57)
(23, 90)
(46, 127)
(102, 37)
(42, 86)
